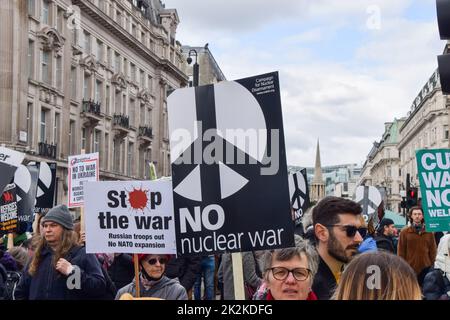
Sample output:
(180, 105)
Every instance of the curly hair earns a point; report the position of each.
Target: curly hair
(69, 239)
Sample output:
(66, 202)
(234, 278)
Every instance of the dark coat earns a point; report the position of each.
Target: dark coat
(49, 284)
(121, 270)
(185, 269)
(436, 285)
(324, 282)
(385, 243)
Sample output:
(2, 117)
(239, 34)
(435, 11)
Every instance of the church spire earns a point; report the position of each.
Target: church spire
(318, 167)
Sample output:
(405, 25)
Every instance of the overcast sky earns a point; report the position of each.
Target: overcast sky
(346, 67)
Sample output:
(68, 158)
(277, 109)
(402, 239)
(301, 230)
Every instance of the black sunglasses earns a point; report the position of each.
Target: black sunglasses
(351, 230)
(153, 261)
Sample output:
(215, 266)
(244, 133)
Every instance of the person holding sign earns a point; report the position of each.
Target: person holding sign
(60, 268)
(153, 282)
(417, 246)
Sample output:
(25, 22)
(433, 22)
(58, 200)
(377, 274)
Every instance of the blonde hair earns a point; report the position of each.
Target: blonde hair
(69, 239)
(395, 280)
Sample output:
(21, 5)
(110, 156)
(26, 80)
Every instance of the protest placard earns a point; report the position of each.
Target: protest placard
(229, 168)
(434, 175)
(129, 217)
(82, 168)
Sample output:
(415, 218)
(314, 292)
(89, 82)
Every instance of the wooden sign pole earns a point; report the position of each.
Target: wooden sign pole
(136, 275)
(238, 276)
(10, 241)
(82, 224)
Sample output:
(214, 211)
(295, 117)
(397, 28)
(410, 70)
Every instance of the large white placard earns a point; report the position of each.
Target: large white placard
(129, 217)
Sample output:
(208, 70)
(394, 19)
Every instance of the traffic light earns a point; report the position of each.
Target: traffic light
(443, 17)
(411, 197)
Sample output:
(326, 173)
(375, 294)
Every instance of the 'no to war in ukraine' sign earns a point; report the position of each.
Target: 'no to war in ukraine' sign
(434, 176)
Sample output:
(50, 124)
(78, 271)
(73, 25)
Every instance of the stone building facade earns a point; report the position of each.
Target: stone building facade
(89, 75)
(394, 157)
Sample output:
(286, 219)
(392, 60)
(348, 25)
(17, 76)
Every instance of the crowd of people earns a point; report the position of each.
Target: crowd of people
(337, 255)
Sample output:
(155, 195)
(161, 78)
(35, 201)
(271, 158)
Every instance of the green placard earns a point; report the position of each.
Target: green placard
(434, 176)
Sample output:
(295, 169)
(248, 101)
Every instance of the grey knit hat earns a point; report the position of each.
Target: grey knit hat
(61, 215)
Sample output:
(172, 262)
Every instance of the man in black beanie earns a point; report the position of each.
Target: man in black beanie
(385, 235)
(60, 268)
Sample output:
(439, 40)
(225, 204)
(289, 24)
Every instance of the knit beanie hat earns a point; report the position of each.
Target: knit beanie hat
(61, 215)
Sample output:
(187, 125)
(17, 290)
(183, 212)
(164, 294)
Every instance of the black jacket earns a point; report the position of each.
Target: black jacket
(385, 243)
(49, 284)
(186, 269)
(324, 282)
(436, 285)
(121, 270)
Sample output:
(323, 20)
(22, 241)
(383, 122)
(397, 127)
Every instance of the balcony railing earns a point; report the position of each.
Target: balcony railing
(92, 107)
(121, 120)
(47, 150)
(145, 131)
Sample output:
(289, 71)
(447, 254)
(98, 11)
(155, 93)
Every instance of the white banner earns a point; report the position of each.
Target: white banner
(82, 168)
(129, 217)
(11, 157)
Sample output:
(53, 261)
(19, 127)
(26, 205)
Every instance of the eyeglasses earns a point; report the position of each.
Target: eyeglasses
(281, 273)
(153, 261)
(351, 230)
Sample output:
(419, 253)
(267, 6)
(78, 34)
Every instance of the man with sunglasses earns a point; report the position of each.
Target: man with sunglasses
(337, 228)
(153, 282)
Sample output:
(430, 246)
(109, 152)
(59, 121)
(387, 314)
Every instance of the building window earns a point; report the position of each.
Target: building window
(31, 7)
(56, 131)
(109, 58)
(60, 20)
(125, 67)
(130, 159)
(446, 132)
(87, 42)
(46, 12)
(142, 115)
(119, 18)
(43, 126)
(133, 30)
(100, 51)
(83, 138)
(108, 98)
(59, 73)
(98, 91)
(117, 67)
(86, 93)
(150, 83)
(97, 136)
(45, 70)
(143, 38)
(131, 111)
(72, 137)
(73, 83)
(74, 37)
(118, 105)
(142, 78)
(29, 123)
(106, 155)
(388, 171)
(118, 164)
(30, 59)
(133, 72)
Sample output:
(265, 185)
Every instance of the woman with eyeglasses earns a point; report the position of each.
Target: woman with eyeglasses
(289, 273)
(153, 282)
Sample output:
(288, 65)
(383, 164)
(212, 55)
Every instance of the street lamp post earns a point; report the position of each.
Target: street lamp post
(195, 68)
